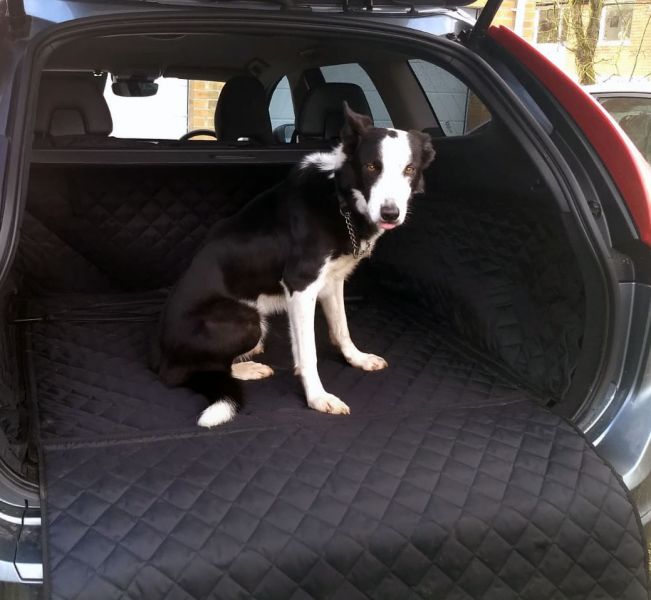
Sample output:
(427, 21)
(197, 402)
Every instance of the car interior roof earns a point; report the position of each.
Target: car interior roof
(207, 56)
(216, 56)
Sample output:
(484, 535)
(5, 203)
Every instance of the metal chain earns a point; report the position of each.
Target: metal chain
(357, 252)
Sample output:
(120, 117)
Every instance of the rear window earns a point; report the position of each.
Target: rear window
(354, 73)
(179, 106)
(458, 110)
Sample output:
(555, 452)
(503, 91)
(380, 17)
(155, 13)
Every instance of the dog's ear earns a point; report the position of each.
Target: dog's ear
(355, 124)
(427, 155)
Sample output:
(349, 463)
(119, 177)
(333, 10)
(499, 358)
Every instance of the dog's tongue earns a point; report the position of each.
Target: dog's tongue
(387, 226)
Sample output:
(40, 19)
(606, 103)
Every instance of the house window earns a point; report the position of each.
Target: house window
(551, 26)
(616, 23)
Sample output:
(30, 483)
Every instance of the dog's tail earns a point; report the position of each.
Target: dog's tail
(223, 389)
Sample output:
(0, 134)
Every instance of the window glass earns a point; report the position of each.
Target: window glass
(551, 27)
(179, 106)
(620, 107)
(353, 73)
(457, 109)
(616, 23)
(634, 117)
(281, 106)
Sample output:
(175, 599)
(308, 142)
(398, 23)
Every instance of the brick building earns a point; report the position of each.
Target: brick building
(624, 43)
(202, 99)
(623, 54)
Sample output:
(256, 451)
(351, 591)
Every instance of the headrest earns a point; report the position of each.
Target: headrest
(242, 112)
(322, 113)
(72, 104)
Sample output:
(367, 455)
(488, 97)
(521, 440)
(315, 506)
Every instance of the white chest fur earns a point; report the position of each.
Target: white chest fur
(269, 305)
(333, 269)
(340, 268)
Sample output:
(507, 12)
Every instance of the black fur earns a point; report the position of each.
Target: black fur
(283, 235)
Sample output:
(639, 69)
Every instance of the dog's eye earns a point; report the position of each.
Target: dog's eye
(371, 167)
(410, 170)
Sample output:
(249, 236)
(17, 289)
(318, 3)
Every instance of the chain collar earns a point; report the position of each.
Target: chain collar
(358, 251)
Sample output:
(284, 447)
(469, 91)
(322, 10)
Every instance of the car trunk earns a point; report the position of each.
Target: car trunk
(451, 476)
(484, 278)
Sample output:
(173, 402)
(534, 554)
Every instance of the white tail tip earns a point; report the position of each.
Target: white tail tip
(218, 413)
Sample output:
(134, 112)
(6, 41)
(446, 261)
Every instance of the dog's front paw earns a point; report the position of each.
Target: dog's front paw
(329, 403)
(368, 362)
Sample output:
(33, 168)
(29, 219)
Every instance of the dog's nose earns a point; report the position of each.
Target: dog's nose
(389, 213)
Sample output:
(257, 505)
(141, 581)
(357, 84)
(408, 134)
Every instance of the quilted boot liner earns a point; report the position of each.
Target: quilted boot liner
(447, 481)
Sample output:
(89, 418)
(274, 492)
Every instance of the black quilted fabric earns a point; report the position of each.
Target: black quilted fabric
(447, 481)
(90, 364)
(504, 502)
(499, 270)
(501, 273)
(14, 420)
(138, 226)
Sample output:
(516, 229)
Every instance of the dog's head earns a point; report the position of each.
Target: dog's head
(382, 168)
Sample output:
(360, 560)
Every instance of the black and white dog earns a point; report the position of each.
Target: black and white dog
(290, 246)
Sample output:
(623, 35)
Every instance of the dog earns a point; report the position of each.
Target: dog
(287, 248)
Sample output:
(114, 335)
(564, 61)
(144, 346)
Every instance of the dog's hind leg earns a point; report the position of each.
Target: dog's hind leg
(259, 348)
(215, 333)
(246, 369)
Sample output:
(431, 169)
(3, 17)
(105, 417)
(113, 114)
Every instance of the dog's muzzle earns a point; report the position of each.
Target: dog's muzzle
(389, 213)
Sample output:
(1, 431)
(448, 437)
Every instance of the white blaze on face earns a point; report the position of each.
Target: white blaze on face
(392, 186)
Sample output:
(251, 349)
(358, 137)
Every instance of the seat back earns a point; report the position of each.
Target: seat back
(321, 116)
(242, 114)
(72, 105)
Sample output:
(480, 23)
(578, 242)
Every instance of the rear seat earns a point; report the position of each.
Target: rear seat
(73, 113)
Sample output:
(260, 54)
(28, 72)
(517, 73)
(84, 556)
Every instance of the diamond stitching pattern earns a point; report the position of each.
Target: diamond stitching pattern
(93, 379)
(500, 272)
(412, 496)
(141, 225)
(260, 524)
(447, 481)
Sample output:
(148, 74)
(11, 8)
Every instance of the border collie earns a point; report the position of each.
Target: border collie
(292, 245)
